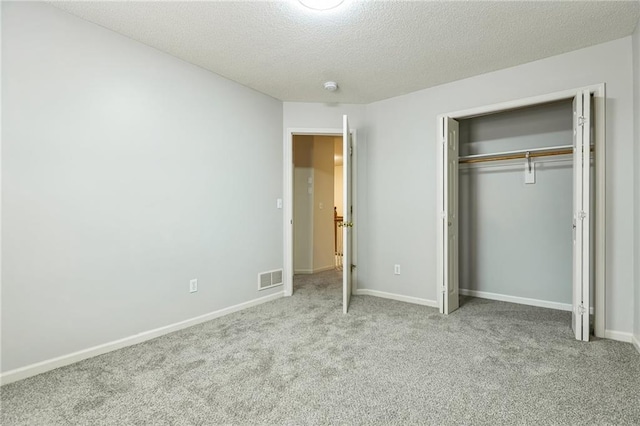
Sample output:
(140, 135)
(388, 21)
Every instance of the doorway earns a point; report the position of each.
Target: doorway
(347, 231)
(317, 203)
(582, 145)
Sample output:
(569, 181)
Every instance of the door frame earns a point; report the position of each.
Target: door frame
(599, 116)
(287, 223)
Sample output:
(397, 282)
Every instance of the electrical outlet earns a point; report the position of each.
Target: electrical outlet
(396, 269)
(193, 285)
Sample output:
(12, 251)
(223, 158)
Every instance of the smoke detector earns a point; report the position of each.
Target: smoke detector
(331, 86)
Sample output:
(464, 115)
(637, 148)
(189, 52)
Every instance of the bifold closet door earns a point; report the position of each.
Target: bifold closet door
(581, 214)
(448, 230)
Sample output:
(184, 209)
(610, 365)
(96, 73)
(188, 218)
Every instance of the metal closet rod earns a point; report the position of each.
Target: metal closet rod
(524, 153)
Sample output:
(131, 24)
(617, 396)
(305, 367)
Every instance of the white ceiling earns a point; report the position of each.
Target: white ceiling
(373, 49)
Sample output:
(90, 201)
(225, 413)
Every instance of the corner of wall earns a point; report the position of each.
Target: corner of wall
(636, 224)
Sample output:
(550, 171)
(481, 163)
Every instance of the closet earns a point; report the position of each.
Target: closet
(516, 198)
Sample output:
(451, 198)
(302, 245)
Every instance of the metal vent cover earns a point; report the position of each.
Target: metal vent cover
(276, 277)
(269, 279)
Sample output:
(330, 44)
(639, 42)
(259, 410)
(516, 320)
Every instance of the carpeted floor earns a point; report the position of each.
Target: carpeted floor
(299, 360)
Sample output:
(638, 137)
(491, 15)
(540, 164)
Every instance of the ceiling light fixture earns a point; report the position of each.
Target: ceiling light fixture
(321, 4)
(331, 86)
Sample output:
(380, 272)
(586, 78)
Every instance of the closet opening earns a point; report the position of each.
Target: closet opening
(521, 205)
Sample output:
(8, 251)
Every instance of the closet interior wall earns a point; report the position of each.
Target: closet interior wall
(516, 238)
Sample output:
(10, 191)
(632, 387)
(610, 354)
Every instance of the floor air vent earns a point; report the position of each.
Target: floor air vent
(269, 279)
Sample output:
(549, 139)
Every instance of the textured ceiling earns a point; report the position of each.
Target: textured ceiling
(373, 49)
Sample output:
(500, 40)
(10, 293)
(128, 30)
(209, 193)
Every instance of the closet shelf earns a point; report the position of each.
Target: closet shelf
(524, 153)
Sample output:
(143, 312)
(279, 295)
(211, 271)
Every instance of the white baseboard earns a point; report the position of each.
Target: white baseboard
(51, 364)
(620, 336)
(518, 300)
(324, 268)
(636, 342)
(399, 297)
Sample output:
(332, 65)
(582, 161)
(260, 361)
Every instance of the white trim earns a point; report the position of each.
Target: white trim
(440, 209)
(519, 300)
(287, 276)
(398, 297)
(599, 114)
(636, 342)
(51, 364)
(599, 299)
(354, 213)
(597, 89)
(620, 336)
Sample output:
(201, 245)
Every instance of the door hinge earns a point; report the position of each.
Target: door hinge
(443, 215)
(444, 289)
(580, 310)
(353, 266)
(350, 150)
(581, 120)
(582, 214)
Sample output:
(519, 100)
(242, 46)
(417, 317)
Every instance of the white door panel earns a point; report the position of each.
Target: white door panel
(581, 214)
(449, 299)
(347, 259)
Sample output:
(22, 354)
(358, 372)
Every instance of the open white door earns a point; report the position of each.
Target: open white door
(581, 214)
(448, 227)
(347, 152)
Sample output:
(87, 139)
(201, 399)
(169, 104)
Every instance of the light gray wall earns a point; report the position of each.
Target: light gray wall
(125, 173)
(550, 124)
(516, 238)
(636, 120)
(400, 213)
(321, 116)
